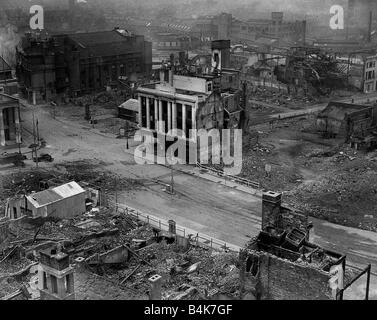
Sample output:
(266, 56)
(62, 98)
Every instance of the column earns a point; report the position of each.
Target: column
(160, 127)
(148, 114)
(140, 115)
(156, 114)
(184, 118)
(18, 124)
(169, 115)
(61, 287)
(193, 117)
(2, 131)
(174, 115)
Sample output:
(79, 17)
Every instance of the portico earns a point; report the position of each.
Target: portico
(10, 127)
(163, 112)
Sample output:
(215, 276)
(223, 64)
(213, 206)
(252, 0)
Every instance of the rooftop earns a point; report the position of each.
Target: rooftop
(56, 194)
(338, 110)
(94, 38)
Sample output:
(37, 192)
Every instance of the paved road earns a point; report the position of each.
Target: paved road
(211, 208)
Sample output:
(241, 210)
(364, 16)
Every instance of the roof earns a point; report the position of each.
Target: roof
(94, 38)
(46, 197)
(131, 104)
(107, 43)
(338, 110)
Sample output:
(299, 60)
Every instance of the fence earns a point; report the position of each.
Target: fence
(194, 237)
(239, 180)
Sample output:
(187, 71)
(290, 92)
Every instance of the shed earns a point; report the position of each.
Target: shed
(65, 201)
(129, 110)
(346, 120)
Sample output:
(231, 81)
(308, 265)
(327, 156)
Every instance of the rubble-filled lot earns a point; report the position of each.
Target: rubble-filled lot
(98, 232)
(89, 171)
(188, 272)
(323, 177)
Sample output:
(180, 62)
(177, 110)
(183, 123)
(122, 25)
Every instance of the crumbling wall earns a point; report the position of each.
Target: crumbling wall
(274, 214)
(279, 279)
(293, 219)
(210, 114)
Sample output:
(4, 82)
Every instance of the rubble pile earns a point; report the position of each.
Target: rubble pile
(187, 272)
(347, 196)
(196, 268)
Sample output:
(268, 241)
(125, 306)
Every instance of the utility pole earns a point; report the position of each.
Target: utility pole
(116, 194)
(37, 132)
(35, 145)
(172, 180)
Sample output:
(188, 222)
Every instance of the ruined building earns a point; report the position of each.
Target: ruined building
(354, 124)
(8, 84)
(201, 101)
(81, 63)
(313, 70)
(281, 263)
(56, 276)
(10, 127)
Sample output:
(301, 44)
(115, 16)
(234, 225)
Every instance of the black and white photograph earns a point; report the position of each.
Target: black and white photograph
(188, 156)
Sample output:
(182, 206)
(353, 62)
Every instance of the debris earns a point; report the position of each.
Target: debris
(130, 274)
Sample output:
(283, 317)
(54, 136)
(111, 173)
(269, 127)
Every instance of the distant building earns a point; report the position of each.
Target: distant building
(370, 74)
(224, 26)
(174, 42)
(5, 70)
(354, 123)
(8, 84)
(10, 126)
(81, 63)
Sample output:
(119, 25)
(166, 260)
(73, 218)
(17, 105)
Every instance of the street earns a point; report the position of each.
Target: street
(211, 208)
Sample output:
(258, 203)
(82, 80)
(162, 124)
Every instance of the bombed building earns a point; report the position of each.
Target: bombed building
(81, 63)
(193, 102)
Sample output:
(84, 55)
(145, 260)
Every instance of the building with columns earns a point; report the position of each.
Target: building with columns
(10, 127)
(183, 103)
(189, 102)
(56, 275)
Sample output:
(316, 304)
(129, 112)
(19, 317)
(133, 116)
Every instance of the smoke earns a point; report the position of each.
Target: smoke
(9, 40)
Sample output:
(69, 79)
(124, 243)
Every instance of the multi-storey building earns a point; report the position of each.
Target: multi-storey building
(190, 103)
(224, 26)
(80, 63)
(370, 74)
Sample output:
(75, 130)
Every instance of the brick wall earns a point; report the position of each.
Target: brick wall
(276, 215)
(293, 219)
(279, 279)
